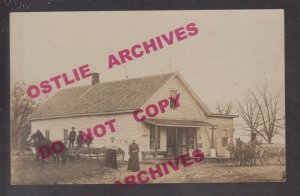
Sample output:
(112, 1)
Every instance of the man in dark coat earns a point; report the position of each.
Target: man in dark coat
(72, 137)
(133, 163)
(79, 139)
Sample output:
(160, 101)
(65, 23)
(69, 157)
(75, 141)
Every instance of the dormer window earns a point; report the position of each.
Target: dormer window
(173, 94)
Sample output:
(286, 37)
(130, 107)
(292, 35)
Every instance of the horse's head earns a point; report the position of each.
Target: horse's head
(35, 138)
(238, 143)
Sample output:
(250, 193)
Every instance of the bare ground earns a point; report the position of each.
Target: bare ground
(27, 171)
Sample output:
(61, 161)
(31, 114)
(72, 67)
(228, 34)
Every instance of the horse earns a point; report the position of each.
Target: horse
(243, 153)
(39, 141)
(233, 154)
(246, 152)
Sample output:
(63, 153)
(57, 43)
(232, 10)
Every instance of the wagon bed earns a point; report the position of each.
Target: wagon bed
(85, 154)
(271, 154)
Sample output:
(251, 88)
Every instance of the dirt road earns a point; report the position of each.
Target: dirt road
(26, 171)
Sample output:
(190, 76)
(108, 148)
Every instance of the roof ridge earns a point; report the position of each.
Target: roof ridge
(140, 77)
(69, 88)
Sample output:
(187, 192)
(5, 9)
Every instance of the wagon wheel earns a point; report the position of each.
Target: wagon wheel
(229, 161)
(264, 157)
(120, 158)
(281, 156)
(101, 157)
(273, 159)
(72, 156)
(237, 160)
(82, 154)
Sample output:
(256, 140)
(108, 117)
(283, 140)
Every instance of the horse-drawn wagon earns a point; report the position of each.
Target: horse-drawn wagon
(254, 152)
(271, 154)
(37, 140)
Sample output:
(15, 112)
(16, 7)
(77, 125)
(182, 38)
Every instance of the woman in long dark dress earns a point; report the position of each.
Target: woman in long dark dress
(111, 154)
(133, 163)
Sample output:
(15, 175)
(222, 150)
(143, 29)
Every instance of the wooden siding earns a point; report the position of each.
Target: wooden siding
(188, 108)
(126, 128)
(222, 123)
(202, 137)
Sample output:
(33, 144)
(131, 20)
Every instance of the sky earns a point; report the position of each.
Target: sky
(233, 51)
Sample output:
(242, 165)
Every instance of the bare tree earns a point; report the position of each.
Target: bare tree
(224, 108)
(248, 111)
(21, 106)
(261, 110)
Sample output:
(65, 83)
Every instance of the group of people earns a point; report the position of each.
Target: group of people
(111, 156)
(111, 151)
(72, 137)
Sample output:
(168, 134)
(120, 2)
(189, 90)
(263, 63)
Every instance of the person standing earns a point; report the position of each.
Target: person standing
(79, 139)
(111, 154)
(89, 140)
(72, 137)
(133, 163)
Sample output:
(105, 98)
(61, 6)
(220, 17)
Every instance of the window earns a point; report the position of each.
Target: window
(173, 94)
(224, 141)
(47, 134)
(154, 142)
(190, 139)
(224, 132)
(224, 137)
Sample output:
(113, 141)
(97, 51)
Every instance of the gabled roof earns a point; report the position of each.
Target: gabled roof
(109, 97)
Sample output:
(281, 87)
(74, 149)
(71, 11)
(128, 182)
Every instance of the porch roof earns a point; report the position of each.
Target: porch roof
(177, 122)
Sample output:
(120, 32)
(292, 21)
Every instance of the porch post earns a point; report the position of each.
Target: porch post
(155, 139)
(176, 147)
(196, 138)
(212, 136)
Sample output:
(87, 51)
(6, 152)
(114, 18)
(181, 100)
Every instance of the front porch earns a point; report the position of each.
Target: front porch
(181, 138)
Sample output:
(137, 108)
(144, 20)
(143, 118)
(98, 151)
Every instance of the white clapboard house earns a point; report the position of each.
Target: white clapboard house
(177, 131)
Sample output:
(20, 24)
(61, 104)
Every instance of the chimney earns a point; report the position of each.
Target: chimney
(95, 78)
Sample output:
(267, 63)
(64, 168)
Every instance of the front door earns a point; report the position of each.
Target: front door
(171, 142)
(180, 140)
